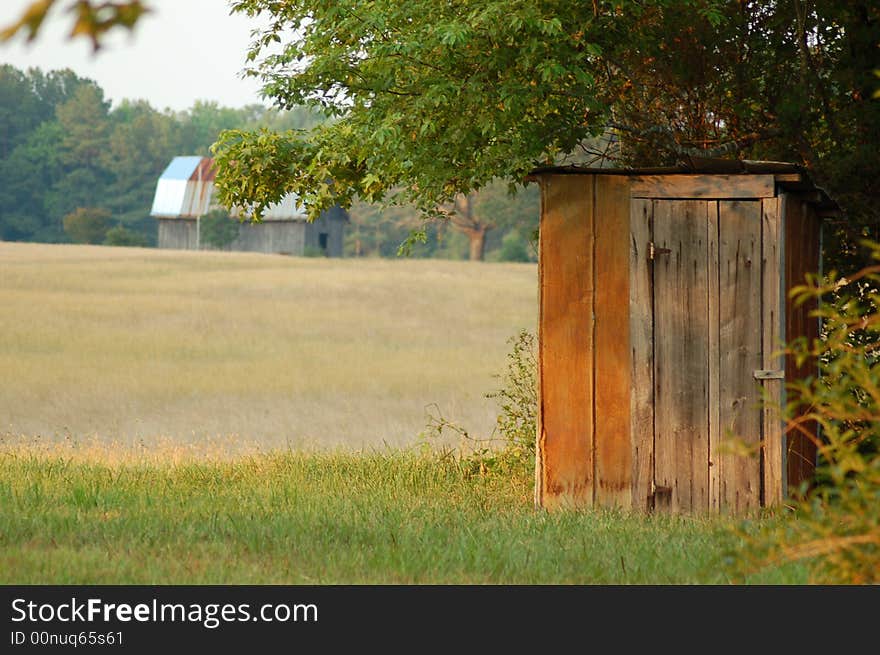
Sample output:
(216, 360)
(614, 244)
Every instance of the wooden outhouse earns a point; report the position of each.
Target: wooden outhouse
(663, 306)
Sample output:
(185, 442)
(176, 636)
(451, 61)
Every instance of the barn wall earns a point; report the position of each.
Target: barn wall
(281, 237)
(802, 234)
(177, 234)
(332, 223)
(271, 237)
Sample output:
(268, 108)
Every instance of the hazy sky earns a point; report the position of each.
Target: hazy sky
(186, 50)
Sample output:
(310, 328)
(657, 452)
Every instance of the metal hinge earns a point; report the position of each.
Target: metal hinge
(657, 490)
(769, 374)
(653, 251)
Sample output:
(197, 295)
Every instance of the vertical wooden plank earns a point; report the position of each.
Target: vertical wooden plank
(566, 341)
(771, 334)
(801, 257)
(613, 450)
(681, 357)
(793, 224)
(715, 429)
(641, 330)
(740, 344)
(539, 414)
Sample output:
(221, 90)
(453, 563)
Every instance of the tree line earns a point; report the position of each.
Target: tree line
(75, 168)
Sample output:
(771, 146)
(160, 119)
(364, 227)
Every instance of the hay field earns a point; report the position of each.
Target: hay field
(141, 347)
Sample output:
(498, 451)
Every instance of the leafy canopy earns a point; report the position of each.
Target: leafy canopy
(432, 99)
(429, 99)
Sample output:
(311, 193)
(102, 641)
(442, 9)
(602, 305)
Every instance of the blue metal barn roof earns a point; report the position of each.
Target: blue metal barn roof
(180, 168)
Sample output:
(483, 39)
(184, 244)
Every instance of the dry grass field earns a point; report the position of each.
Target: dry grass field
(242, 352)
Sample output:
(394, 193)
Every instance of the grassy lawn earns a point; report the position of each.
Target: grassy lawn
(394, 517)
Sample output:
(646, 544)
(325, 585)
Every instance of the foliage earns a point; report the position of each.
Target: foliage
(432, 100)
(87, 225)
(518, 395)
(379, 230)
(515, 424)
(514, 248)
(92, 20)
(120, 236)
(218, 230)
(837, 524)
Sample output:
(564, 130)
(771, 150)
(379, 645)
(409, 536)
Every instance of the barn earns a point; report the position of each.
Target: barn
(663, 305)
(185, 193)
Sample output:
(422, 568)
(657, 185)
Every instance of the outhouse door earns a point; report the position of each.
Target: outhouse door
(706, 268)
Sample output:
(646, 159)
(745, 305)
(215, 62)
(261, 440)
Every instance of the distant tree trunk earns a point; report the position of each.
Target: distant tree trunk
(477, 237)
(463, 219)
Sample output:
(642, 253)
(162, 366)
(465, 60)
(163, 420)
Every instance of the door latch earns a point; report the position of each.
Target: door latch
(653, 251)
(769, 374)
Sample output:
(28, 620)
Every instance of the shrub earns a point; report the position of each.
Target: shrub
(87, 225)
(518, 395)
(514, 248)
(120, 236)
(515, 424)
(217, 229)
(836, 527)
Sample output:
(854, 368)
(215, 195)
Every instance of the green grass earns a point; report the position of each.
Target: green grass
(392, 517)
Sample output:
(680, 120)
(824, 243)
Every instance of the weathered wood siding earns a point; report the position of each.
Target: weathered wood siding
(279, 237)
(703, 187)
(332, 223)
(773, 310)
(270, 236)
(740, 349)
(681, 355)
(613, 381)
(176, 233)
(801, 228)
(661, 323)
(641, 329)
(565, 467)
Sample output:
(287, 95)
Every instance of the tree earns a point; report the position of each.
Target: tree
(87, 225)
(28, 99)
(218, 229)
(120, 236)
(431, 100)
(141, 143)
